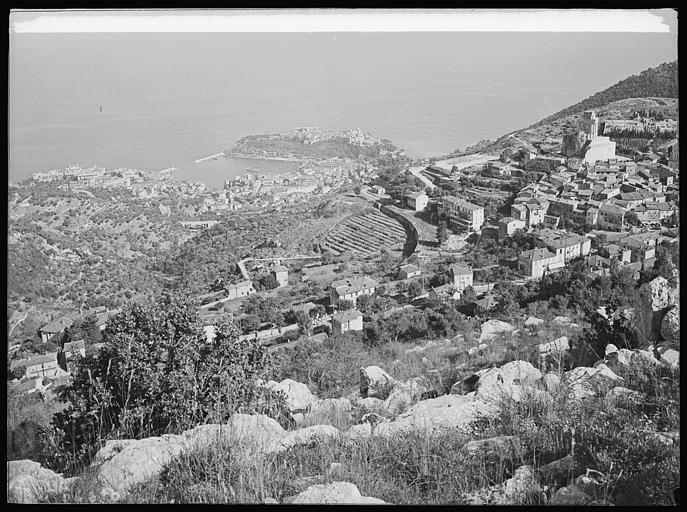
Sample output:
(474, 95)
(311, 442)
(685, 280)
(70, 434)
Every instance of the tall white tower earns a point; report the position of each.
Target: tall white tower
(590, 124)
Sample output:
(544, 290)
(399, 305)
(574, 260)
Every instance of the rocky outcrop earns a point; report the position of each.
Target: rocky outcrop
(493, 327)
(506, 381)
(375, 382)
(29, 482)
(298, 396)
(502, 447)
(122, 464)
(670, 325)
(656, 298)
(561, 471)
(335, 493)
(669, 357)
(522, 483)
(533, 322)
(447, 411)
(570, 495)
(402, 396)
(557, 346)
(586, 382)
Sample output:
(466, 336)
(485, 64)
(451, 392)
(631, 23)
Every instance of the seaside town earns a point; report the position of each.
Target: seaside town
(622, 208)
(510, 282)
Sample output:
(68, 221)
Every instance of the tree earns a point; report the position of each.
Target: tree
(344, 304)
(414, 289)
(86, 330)
(442, 233)
(364, 304)
(250, 323)
(156, 362)
(317, 311)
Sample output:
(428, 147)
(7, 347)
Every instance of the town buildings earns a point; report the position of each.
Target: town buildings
(462, 215)
(351, 288)
(508, 225)
(408, 271)
(348, 320)
(417, 201)
(281, 274)
(54, 331)
(536, 262)
(462, 277)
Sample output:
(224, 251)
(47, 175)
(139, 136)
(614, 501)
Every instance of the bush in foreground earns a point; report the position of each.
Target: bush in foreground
(157, 373)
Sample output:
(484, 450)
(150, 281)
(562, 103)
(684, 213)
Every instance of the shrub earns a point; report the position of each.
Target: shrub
(157, 362)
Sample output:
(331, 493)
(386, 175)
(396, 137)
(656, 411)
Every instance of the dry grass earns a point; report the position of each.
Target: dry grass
(612, 438)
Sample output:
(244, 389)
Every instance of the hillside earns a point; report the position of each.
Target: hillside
(551, 132)
(655, 88)
(661, 81)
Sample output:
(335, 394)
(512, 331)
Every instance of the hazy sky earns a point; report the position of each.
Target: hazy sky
(429, 91)
(60, 67)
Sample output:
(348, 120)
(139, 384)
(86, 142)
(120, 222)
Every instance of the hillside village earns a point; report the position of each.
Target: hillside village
(450, 256)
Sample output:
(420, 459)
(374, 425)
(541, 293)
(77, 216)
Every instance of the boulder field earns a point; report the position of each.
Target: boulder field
(383, 407)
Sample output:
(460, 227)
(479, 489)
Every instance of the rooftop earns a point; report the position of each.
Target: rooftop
(541, 253)
(58, 325)
(346, 316)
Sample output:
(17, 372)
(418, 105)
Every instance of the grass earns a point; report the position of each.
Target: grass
(614, 439)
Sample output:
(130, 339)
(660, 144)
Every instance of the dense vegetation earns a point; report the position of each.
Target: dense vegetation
(156, 362)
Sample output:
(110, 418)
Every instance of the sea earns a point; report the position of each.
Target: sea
(151, 102)
(156, 133)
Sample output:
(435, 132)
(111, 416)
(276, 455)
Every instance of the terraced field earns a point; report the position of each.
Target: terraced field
(365, 233)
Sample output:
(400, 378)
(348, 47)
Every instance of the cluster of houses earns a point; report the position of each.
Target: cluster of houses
(50, 370)
(598, 192)
(78, 178)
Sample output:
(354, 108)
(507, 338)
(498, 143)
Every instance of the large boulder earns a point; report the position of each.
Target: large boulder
(557, 346)
(375, 382)
(670, 325)
(29, 482)
(444, 412)
(255, 434)
(308, 436)
(656, 298)
(522, 483)
(402, 396)
(501, 447)
(669, 357)
(570, 495)
(506, 380)
(587, 382)
(491, 328)
(298, 396)
(620, 394)
(368, 404)
(561, 471)
(533, 322)
(335, 493)
(121, 465)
